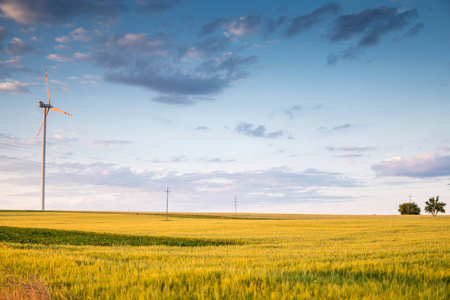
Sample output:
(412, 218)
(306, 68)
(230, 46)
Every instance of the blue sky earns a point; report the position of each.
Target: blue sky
(291, 106)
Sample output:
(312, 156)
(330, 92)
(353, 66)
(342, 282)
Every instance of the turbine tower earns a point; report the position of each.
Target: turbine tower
(46, 108)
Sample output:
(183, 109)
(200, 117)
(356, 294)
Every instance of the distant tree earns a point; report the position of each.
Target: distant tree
(409, 208)
(433, 206)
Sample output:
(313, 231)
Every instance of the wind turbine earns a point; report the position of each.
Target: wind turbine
(46, 108)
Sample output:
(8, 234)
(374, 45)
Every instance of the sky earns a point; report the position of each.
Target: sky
(308, 107)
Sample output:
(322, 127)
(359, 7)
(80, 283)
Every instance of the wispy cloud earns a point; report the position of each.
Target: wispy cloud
(27, 12)
(244, 26)
(64, 59)
(351, 148)
(415, 30)
(338, 128)
(17, 46)
(369, 27)
(257, 25)
(294, 111)
(22, 167)
(3, 33)
(10, 66)
(370, 24)
(157, 6)
(58, 58)
(257, 131)
(215, 160)
(61, 141)
(173, 159)
(349, 155)
(304, 22)
(95, 143)
(240, 27)
(210, 27)
(11, 141)
(208, 46)
(77, 35)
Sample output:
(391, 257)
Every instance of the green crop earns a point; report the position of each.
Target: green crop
(79, 238)
(280, 257)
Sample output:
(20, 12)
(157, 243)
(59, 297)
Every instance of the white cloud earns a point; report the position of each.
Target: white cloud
(15, 11)
(15, 87)
(275, 185)
(421, 166)
(79, 55)
(58, 58)
(77, 35)
(36, 39)
(60, 46)
(63, 39)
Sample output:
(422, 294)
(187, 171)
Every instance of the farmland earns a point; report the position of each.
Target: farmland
(226, 256)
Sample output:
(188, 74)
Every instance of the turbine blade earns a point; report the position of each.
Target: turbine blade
(57, 109)
(42, 125)
(46, 79)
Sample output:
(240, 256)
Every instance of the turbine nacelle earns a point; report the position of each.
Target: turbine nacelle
(43, 105)
(49, 106)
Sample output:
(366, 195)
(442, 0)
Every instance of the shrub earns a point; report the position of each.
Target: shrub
(409, 208)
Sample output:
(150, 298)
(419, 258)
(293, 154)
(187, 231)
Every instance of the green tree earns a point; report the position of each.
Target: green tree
(409, 208)
(433, 206)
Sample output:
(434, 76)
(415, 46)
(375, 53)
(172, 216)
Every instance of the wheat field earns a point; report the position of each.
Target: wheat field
(266, 256)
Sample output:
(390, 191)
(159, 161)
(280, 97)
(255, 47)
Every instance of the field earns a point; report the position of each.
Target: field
(222, 256)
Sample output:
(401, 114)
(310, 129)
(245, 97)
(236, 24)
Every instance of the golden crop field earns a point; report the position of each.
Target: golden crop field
(269, 257)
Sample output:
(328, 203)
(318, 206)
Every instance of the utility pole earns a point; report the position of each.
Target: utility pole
(235, 204)
(410, 197)
(167, 204)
